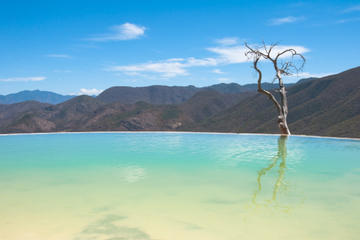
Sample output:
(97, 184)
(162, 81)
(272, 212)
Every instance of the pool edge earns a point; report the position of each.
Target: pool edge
(171, 132)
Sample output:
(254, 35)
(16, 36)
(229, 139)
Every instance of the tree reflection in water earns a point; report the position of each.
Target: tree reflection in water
(280, 155)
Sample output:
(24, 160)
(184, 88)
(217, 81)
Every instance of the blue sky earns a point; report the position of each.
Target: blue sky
(73, 47)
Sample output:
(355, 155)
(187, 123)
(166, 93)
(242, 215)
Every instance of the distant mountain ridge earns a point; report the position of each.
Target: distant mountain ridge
(34, 95)
(156, 94)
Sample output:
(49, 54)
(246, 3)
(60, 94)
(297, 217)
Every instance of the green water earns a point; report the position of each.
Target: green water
(172, 186)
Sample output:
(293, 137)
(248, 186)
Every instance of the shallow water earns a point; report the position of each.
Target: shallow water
(170, 186)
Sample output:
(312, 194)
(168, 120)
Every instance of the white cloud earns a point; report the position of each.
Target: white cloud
(217, 71)
(165, 68)
(168, 68)
(236, 54)
(92, 91)
(175, 60)
(22, 79)
(58, 56)
(196, 62)
(126, 31)
(311, 75)
(179, 66)
(135, 74)
(227, 41)
(355, 8)
(289, 19)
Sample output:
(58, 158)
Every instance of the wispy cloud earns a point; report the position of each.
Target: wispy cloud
(90, 92)
(22, 79)
(135, 74)
(311, 75)
(233, 54)
(227, 41)
(355, 8)
(236, 54)
(168, 68)
(346, 20)
(165, 68)
(126, 31)
(174, 67)
(58, 56)
(217, 71)
(285, 20)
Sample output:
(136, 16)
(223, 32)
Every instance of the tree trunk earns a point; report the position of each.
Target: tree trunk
(282, 119)
(282, 122)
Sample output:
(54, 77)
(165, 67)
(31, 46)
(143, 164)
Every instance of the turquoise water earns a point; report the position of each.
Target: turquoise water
(170, 186)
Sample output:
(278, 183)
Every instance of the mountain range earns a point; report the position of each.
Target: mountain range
(153, 94)
(35, 95)
(328, 106)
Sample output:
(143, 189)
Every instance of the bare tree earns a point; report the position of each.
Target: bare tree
(285, 63)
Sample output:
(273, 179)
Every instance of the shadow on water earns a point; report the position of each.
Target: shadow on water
(111, 227)
(279, 157)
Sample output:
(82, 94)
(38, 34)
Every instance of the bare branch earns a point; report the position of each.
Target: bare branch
(260, 89)
(289, 67)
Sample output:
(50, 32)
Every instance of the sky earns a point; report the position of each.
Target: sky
(85, 47)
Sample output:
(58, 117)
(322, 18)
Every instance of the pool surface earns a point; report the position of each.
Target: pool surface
(178, 186)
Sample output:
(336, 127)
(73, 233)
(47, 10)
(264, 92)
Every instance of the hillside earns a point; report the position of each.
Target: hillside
(151, 94)
(326, 106)
(170, 95)
(86, 113)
